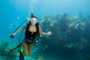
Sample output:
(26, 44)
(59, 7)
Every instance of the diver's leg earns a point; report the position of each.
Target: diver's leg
(30, 49)
(25, 46)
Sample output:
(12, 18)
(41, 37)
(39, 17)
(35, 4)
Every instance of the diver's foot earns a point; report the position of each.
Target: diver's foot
(21, 55)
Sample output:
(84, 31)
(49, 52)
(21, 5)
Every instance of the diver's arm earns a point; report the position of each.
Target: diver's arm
(20, 29)
(42, 33)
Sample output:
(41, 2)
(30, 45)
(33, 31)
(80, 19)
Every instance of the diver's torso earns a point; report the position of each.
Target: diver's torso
(31, 32)
(32, 29)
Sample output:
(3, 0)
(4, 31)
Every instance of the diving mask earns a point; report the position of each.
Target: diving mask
(33, 20)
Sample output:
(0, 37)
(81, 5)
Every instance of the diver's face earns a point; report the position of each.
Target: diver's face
(33, 21)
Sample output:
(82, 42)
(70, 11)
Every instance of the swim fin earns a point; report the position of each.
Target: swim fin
(21, 55)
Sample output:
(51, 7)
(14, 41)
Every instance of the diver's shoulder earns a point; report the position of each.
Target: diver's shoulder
(25, 25)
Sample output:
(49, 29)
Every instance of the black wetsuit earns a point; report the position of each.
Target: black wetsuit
(29, 34)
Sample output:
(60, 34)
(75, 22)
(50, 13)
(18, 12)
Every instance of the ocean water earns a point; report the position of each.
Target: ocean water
(68, 20)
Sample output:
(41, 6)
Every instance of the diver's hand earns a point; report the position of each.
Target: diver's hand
(49, 33)
(12, 35)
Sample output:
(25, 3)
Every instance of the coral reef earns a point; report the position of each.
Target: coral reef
(4, 50)
(41, 58)
(69, 33)
(64, 26)
(3, 47)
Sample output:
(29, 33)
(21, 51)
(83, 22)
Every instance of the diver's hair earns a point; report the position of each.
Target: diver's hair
(32, 16)
(37, 26)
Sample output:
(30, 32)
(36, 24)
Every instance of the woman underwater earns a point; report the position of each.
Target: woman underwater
(32, 29)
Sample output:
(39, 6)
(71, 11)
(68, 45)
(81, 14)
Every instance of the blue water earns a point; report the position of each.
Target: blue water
(14, 12)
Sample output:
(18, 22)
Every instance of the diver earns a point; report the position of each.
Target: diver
(32, 30)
